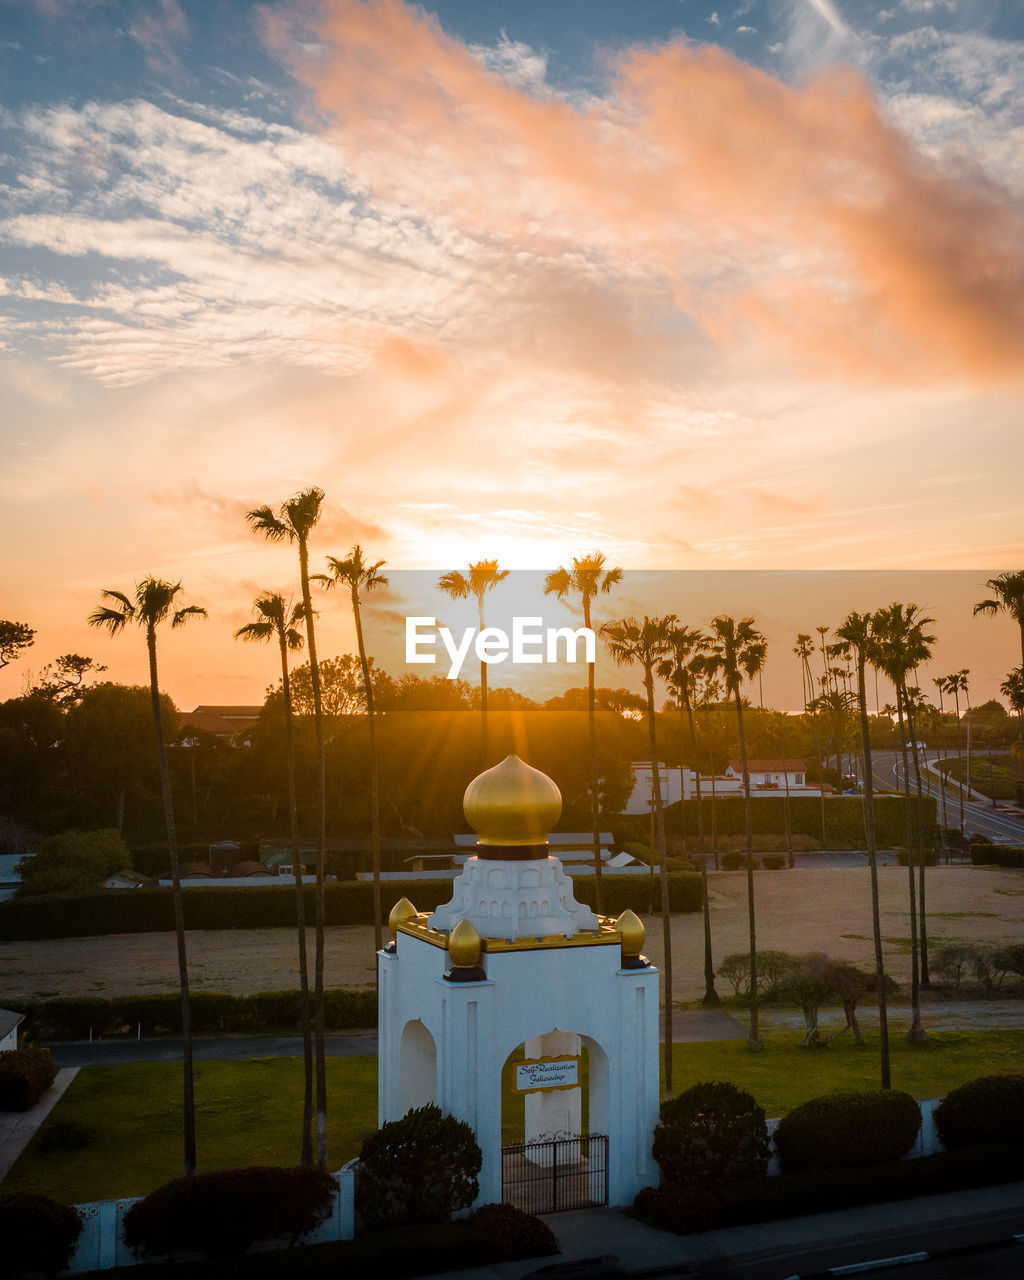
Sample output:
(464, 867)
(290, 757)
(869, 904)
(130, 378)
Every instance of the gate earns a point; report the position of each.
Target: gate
(563, 1173)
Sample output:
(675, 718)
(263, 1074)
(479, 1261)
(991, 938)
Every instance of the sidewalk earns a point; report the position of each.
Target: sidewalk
(590, 1233)
(18, 1128)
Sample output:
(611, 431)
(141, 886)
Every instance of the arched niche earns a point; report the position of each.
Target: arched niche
(419, 1066)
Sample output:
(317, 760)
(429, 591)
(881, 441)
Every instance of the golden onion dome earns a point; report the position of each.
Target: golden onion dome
(465, 945)
(402, 911)
(512, 804)
(633, 933)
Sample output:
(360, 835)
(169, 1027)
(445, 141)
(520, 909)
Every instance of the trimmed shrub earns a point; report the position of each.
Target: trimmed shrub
(37, 1234)
(989, 1109)
(931, 856)
(710, 1132)
(773, 861)
(517, 1234)
(418, 1169)
(734, 861)
(225, 1212)
(682, 1209)
(25, 1075)
(847, 1130)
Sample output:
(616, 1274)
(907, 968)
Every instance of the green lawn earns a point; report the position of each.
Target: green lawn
(247, 1110)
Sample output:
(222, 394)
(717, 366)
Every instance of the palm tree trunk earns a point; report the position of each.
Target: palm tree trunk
(755, 1035)
(179, 913)
(595, 808)
(869, 826)
(916, 1034)
(378, 938)
(300, 919)
(666, 919)
(912, 730)
(711, 997)
(485, 753)
(319, 1011)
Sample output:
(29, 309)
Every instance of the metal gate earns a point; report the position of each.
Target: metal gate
(564, 1173)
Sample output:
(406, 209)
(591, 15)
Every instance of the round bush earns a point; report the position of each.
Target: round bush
(735, 861)
(418, 1169)
(25, 1075)
(65, 1135)
(682, 1209)
(989, 1109)
(36, 1234)
(711, 1132)
(517, 1234)
(845, 1130)
(226, 1212)
(773, 861)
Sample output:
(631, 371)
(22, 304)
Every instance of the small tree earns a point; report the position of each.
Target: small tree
(419, 1169)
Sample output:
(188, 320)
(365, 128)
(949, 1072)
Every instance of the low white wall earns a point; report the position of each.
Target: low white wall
(101, 1244)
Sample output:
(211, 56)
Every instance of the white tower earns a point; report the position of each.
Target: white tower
(514, 960)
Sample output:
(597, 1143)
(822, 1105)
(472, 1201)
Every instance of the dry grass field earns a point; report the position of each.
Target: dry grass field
(808, 909)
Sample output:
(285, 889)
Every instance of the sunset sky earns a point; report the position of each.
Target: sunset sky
(717, 287)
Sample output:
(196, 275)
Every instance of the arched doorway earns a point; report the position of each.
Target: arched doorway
(554, 1156)
(419, 1066)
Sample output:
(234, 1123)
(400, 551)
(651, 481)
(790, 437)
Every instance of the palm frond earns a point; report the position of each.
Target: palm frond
(262, 520)
(255, 631)
(187, 614)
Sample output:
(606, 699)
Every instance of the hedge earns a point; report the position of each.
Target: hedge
(844, 818)
(79, 915)
(25, 1075)
(997, 855)
(227, 1211)
(795, 1194)
(68, 1018)
(846, 1130)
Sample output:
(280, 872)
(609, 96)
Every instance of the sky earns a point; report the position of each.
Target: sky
(716, 288)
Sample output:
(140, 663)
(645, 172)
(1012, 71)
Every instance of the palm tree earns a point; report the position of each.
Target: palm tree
(644, 644)
(482, 577)
(586, 579)
(1012, 688)
(803, 649)
(940, 685)
(294, 522)
(738, 651)
(857, 632)
(358, 575)
(681, 671)
(153, 604)
(956, 684)
(275, 620)
(901, 646)
(1007, 597)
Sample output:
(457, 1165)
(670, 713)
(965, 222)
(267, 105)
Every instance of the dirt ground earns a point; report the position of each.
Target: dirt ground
(807, 909)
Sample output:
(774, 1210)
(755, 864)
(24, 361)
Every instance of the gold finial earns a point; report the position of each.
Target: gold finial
(465, 945)
(634, 935)
(512, 804)
(402, 911)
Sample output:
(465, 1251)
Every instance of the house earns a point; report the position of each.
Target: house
(767, 778)
(770, 775)
(9, 1024)
(222, 722)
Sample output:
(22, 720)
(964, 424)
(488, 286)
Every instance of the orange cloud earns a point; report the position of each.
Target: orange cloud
(796, 215)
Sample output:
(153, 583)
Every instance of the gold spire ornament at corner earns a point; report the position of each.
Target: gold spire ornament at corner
(465, 946)
(632, 931)
(512, 805)
(401, 912)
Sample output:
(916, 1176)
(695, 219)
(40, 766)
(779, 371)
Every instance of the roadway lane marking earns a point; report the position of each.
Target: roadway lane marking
(901, 1260)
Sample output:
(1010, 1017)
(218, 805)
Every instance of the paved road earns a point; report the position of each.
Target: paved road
(80, 1053)
(1003, 826)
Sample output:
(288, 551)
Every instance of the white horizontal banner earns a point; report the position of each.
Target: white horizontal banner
(556, 1073)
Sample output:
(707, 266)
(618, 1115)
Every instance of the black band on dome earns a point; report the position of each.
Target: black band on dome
(513, 852)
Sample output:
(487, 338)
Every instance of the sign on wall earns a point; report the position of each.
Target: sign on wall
(543, 1074)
